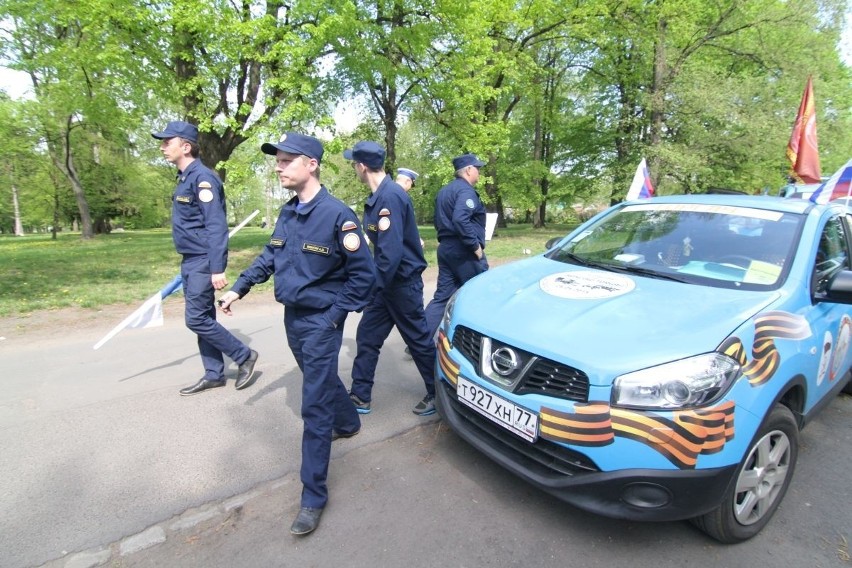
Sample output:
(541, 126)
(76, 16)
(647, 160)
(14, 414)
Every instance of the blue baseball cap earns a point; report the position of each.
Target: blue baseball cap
(295, 143)
(178, 129)
(408, 173)
(368, 153)
(465, 160)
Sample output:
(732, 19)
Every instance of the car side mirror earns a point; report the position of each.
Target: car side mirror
(839, 290)
(551, 242)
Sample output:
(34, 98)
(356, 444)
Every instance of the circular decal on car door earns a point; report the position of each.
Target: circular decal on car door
(586, 285)
(841, 347)
(825, 356)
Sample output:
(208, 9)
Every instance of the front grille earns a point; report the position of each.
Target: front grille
(553, 379)
(468, 343)
(544, 377)
(543, 455)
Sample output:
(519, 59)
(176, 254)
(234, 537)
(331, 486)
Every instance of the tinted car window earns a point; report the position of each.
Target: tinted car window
(832, 254)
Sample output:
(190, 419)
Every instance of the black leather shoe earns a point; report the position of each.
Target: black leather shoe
(306, 521)
(335, 435)
(201, 386)
(246, 370)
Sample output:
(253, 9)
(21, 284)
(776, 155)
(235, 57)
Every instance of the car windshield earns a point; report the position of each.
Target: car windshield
(723, 246)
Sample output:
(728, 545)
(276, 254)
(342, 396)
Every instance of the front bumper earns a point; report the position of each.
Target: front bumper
(633, 494)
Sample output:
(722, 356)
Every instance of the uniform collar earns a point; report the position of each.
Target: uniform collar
(187, 170)
(374, 196)
(309, 206)
(463, 181)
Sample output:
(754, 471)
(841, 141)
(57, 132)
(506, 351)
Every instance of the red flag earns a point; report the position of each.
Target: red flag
(802, 149)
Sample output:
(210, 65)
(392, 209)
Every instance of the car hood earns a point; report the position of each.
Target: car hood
(602, 322)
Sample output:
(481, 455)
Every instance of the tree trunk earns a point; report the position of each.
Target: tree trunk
(19, 228)
(217, 148)
(495, 204)
(53, 229)
(66, 166)
(390, 139)
(658, 97)
(86, 229)
(540, 183)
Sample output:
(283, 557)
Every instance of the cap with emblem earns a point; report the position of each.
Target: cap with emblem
(368, 153)
(178, 129)
(408, 173)
(295, 143)
(466, 160)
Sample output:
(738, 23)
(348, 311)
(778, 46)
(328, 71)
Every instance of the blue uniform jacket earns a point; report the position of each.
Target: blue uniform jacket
(319, 259)
(460, 214)
(199, 222)
(392, 228)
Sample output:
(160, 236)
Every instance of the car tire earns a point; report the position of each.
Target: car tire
(760, 483)
(847, 388)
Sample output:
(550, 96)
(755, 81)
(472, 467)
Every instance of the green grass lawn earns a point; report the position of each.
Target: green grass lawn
(126, 268)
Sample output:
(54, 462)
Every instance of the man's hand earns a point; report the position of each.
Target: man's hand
(478, 253)
(226, 300)
(219, 280)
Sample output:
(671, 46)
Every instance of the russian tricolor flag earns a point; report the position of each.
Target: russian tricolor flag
(838, 185)
(641, 187)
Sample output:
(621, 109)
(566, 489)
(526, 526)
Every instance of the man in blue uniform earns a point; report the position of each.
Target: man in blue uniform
(323, 270)
(200, 234)
(392, 229)
(460, 223)
(405, 178)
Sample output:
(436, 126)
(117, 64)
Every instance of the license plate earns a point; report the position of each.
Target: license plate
(499, 410)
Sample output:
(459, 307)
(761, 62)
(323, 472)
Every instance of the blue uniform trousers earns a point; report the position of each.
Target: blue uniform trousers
(315, 344)
(200, 317)
(456, 265)
(399, 304)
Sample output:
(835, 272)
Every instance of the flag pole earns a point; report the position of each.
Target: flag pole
(172, 286)
(244, 223)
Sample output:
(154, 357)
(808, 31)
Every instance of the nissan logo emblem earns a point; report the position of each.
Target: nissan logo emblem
(504, 361)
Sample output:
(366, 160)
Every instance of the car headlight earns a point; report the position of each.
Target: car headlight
(691, 382)
(448, 313)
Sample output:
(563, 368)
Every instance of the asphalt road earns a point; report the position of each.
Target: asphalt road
(104, 464)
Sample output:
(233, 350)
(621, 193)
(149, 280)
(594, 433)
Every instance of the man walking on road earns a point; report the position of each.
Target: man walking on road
(200, 234)
(460, 224)
(392, 228)
(406, 178)
(323, 270)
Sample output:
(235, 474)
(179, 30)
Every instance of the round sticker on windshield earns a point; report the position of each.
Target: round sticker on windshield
(586, 285)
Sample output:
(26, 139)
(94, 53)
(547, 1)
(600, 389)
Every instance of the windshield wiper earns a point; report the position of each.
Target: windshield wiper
(647, 272)
(563, 255)
(621, 268)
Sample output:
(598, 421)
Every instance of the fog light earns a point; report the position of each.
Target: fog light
(646, 495)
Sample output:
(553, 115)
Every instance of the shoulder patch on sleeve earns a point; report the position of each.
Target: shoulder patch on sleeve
(384, 223)
(469, 203)
(205, 185)
(205, 195)
(352, 242)
(384, 212)
(349, 226)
